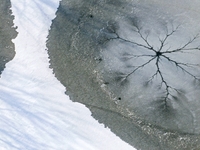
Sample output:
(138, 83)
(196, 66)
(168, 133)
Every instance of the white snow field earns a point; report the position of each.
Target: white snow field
(35, 114)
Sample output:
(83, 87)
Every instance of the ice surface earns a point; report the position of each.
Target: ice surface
(7, 33)
(147, 69)
(125, 58)
(35, 114)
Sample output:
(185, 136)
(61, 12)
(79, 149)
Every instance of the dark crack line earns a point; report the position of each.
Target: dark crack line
(149, 47)
(140, 45)
(163, 81)
(184, 47)
(145, 39)
(128, 57)
(179, 66)
(166, 37)
(138, 67)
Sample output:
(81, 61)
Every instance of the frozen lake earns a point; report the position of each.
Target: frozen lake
(136, 62)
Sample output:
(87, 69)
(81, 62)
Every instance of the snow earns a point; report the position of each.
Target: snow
(35, 114)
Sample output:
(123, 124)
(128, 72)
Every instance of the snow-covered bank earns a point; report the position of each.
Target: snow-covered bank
(35, 114)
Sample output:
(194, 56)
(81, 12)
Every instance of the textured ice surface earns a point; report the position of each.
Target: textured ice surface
(7, 33)
(155, 69)
(137, 65)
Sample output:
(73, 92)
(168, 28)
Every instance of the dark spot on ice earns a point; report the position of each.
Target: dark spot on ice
(158, 53)
(100, 59)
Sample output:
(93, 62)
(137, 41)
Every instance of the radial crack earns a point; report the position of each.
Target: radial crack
(158, 55)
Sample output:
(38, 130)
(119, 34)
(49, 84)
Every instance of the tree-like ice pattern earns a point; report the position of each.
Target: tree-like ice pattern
(156, 54)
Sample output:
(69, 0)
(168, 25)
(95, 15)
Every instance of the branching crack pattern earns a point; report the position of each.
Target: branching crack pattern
(158, 54)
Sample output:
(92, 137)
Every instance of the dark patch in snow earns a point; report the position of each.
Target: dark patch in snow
(7, 33)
